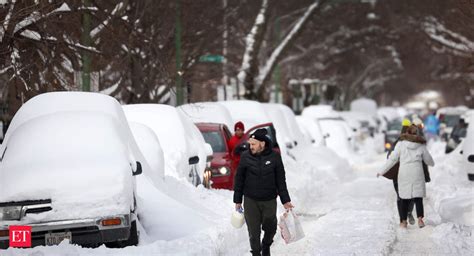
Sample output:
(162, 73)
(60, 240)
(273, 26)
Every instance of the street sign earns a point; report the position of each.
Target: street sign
(211, 58)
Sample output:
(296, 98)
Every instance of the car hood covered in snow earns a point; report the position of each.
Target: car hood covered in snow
(77, 159)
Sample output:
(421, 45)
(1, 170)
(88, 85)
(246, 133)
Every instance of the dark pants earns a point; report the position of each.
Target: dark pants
(419, 207)
(409, 209)
(260, 215)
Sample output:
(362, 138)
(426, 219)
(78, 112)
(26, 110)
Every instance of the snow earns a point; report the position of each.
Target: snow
(99, 28)
(364, 105)
(343, 207)
(151, 149)
(281, 126)
(208, 112)
(312, 129)
(438, 32)
(50, 139)
(250, 41)
(251, 113)
(290, 118)
(31, 34)
(319, 111)
(179, 137)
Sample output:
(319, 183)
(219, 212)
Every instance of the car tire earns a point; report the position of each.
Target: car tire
(470, 176)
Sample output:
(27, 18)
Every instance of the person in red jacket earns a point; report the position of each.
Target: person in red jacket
(234, 142)
(239, 132)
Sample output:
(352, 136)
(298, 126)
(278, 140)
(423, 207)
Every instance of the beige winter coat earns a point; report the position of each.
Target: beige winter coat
(411, 179)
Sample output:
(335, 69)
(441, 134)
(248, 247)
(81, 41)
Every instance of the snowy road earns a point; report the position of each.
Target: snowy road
(345, 210)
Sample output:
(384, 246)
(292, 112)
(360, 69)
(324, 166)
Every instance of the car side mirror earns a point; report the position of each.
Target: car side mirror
(461, 152)
(138, 170)
(193, 160)
(471, 158)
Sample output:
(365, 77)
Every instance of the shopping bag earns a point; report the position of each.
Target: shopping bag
(290, 226)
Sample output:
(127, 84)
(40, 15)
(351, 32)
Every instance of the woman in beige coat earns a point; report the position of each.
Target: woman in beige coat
(411, 178)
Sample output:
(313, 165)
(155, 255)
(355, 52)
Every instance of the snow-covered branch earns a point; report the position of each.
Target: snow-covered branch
(252, 45)
(36, 16)
(99, 28)
(6, 22)
(439, 33)
(266, 71)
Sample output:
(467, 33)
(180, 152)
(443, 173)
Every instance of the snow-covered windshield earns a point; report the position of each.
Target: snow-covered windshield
(451, 120)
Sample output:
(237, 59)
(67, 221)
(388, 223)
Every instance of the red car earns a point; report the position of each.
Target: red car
(224, 163)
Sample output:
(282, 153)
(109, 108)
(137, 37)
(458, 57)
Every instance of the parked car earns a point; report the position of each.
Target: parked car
(186, 153)
(312, 130)
(67, 170)
(251, 113)
(152, 151)
(468, 150)
(339, 139)
(222, 169)
(448, 118)
(393, 133)
(208, 112)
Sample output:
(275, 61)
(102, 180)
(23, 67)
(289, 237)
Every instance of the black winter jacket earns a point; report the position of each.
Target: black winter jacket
(260, 177)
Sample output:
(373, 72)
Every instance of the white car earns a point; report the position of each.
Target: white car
(468, 150)
(152, 151)
(186, 153)
(67, 169)
(340, 139)
(312, 130)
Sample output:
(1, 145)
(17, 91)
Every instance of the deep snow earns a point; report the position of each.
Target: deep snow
(344, 209)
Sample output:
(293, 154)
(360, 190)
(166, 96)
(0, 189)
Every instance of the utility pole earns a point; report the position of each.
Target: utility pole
(86, 41)
(224, 51)
(277, 74)
(179, 72)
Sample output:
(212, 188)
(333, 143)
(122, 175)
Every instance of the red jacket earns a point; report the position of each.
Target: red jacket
(233, 143)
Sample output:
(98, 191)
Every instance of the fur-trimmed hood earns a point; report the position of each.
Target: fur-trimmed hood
(413, 138)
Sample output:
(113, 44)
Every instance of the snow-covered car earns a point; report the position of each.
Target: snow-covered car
(394, 129)
(67, 171)
(295, 130)
(186, 153)
(339, 139)
(448, 118)
(208, 112)
(251, 113)
(312, 130)
(151, 149)
(468, 150)
(281, 125)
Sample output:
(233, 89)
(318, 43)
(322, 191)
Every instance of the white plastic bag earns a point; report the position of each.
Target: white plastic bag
(290, 226)
(237, 219)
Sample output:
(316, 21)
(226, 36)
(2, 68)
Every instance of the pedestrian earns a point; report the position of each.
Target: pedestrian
(432, 126)
(259, 180)
(393, 175)
(234, 143)
(411, 179)
(239, 130)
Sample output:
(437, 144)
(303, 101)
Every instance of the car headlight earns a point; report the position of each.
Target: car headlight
(10, 213)
(223, 170)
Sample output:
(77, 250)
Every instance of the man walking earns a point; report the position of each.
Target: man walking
(259, 180)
